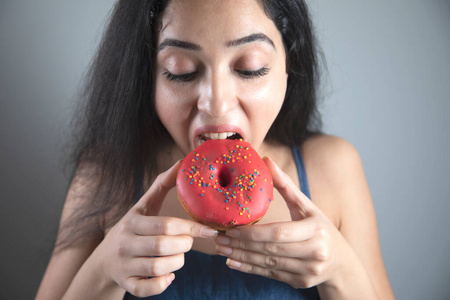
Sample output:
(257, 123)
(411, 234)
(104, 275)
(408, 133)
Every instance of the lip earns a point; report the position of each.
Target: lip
(216, 129)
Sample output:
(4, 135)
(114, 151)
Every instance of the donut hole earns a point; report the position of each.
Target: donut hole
(224, 177)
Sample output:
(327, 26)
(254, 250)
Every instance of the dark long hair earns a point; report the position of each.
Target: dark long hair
(299, 116)
(117, 128)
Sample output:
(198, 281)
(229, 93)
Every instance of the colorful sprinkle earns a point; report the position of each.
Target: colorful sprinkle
(247, 181)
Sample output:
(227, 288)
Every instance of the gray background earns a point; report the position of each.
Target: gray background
(387, 92)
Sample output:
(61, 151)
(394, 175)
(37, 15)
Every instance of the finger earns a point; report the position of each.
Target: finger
(161, 246)
(279, 275)
(150, 204)
(299, 205)
(303, 250)
(282, 232)
(287, 264)
(143, 225)
(155, 266)
(142, 287)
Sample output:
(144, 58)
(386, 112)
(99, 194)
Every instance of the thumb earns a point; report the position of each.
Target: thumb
(299, 205)
(151, 202)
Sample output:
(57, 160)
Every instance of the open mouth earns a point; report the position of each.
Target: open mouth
(217, 136)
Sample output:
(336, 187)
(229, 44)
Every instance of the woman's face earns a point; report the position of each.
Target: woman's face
(220, 71)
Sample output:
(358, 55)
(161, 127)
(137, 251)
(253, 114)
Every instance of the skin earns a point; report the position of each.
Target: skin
(219, 93)
(331, 242)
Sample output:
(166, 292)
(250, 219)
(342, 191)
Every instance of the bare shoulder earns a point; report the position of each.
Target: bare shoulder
(329, 151)
(336, 176)
(66, 260)
(339, 188)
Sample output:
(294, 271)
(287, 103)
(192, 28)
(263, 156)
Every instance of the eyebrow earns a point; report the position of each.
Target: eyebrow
(178, 44)
(256, 37)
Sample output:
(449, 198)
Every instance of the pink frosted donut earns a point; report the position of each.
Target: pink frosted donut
(224, 183)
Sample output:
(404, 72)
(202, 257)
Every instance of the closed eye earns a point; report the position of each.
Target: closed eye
(248, 74)
(186, 77)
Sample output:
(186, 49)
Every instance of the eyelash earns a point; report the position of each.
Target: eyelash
(191, 76)
(181, 77)
(253, 74)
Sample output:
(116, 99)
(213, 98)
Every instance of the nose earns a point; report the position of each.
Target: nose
(217, 95)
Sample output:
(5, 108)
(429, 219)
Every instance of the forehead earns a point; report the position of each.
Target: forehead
(215, 20)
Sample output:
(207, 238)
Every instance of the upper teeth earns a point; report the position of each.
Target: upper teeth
(214, 136)
(218, 136)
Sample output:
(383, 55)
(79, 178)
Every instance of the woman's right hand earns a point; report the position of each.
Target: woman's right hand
(142, 250)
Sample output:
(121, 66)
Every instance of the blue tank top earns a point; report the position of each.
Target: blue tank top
(206, 276)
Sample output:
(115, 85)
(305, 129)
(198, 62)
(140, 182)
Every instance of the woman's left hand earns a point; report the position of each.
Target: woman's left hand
(302, 253)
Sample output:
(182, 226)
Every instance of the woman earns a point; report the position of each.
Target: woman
(168, 75)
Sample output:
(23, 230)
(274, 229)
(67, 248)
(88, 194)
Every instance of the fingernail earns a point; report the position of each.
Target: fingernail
(208, 232)
(170, 278)
(233, 264)
(234, 233)
(223, 250)
(223, 240)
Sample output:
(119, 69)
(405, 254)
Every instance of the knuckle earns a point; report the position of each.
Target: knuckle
(271, 248)
(125, 226)
(162, 182)
(303, 283)
(316, 270)
(243, 256)
(321, 253)
(268, 273)
(148, 287)
(158, 227)
(137, 290)
(250, 269)
(322, 233)
(154, 268)
(271, 262)
(166, 226)
(161, 286)
(157, 246)
(274, 274)
(255, 235)
(284, 187)
(188, 241)
(192, 230)
(242, 244)
(122, 248)
(316, 225)
(279, 233)
(321, 256)
(159, 179)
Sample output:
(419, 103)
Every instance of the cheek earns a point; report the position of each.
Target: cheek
(170, 104)
(263, 103)
(266, 97)
(162, 106)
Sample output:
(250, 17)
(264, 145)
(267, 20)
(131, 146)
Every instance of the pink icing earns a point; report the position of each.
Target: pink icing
(225, 183)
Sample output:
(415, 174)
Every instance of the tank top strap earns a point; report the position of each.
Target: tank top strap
(298, 157)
